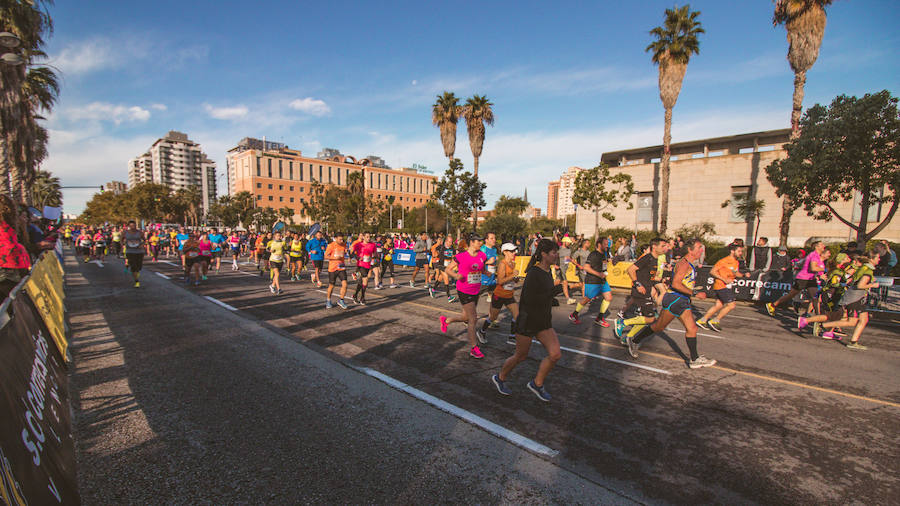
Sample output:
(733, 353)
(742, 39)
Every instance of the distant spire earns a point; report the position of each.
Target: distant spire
(526, 194)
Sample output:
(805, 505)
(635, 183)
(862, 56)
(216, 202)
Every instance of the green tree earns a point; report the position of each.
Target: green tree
(676, 40)
(749, 210)
(286, 214)
(46, 190)
(444, 115)
(599, 190)
(477, 112)
(505, 225)
(150, 201)
(510, 205)
(851, 148)
(458, 190)
(263, 218)
(107, 207)
(544, 226)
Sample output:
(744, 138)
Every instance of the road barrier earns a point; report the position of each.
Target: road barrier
(37, 450)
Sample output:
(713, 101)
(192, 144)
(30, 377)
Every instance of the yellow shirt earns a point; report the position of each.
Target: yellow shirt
(277, 250)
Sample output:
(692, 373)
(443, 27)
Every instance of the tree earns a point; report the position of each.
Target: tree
(477, 112)
(598, 190)
(187, 203)
(458, 190)
(804, 21)
(444, 115)
(849, 149)
(150, 201)
(544, 226)
(510, 205)
(675, 42)
(46, 189)
(107, 207)
(505, 225)
(263, 218)
(286, 214)
(747, 209)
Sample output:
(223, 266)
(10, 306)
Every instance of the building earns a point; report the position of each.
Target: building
(177, 162)
(708, 172)
(552, 199)
(116, 187)
(282, 177)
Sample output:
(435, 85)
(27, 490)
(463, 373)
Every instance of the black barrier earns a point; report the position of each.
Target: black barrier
(37, 451)
(760, 286)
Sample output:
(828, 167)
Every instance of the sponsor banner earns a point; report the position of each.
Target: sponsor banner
(522, 264)
(617, 274)
(404, 257)
(37, 451)
(45, 287)
(761, 286)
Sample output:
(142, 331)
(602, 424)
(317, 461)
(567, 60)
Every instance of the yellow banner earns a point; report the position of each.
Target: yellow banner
(45, 287)
(617, 276)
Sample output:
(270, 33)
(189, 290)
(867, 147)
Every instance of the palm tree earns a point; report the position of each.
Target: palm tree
(477, 112)
(444, 115)
(46, 189)
(675, 42)
(804, 21)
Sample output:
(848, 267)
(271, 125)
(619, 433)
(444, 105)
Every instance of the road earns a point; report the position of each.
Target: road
(227, 383)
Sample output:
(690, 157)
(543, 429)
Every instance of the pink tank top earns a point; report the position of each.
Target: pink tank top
(470, 269)
(205, 248)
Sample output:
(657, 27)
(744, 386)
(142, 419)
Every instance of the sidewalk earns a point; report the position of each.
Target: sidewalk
(179, 400)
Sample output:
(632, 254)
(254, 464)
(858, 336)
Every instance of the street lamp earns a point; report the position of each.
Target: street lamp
(10, 41)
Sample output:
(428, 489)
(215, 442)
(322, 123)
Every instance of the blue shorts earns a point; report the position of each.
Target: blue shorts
(676, 304)
(592, 291)
(726, 295)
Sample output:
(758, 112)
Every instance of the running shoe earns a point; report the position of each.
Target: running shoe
(770, 309)
(475, 352)
(451, 298)
(801, 322)
(362, 302)
(839, 332)
(854, 345)
(272, 288)
(197, 283)
(511, 339)
(570, 301)
(493, 325)
(379, 287)
(539, 391)
(279, 291)
(501, 385)
(701, 361)
(703, 324)
(620, 315)
(328, 304)
(431, 292)
(319, 284)
(482, 338)
(342, 304)
(574, 319)
(444, 324)
(394, 285)
(355, 300)
(831, 335)
(619, 327)
(714, 325)
(602, 322)
(632, 346)
(137, 284)
(817, 329)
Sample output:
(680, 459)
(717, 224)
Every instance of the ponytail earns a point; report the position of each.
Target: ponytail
(543, 246)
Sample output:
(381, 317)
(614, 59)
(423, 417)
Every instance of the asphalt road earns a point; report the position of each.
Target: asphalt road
(183, 399)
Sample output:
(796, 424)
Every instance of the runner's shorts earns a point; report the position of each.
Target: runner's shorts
(676, 304)
(421, 262)
(592, 290)
(499, 302)
(335, 276)
(217, 254)
(465, 298)
(235, 252)
(641, 306)
(856, 307)
(803, 284)
(318, 264)
(363, 271)
(726, 295)
(135, 261)
(276, 265)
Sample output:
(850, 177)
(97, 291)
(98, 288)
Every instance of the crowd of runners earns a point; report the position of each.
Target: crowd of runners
(664, 279)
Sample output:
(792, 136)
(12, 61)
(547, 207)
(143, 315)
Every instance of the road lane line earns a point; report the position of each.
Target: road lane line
(170, 263)
(487, 425)
(601, 357)
(162, 275)
(219, 302)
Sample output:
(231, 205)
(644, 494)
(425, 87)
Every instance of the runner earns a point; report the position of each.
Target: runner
(640, 309)
(387, 262)
(535, 320)
(467, 267)
(85, 245)
(116, 242)
(134, 251)
(217, 240)
(565, 260)
(574, 277)
(336, 254)
(276, 262)
(503, 295)
(804, 280)
(191, 260)
(677, 304)
(234, 243)
(421, 247)
(99, 245)
(376, 261)
(364, 250)
(489, 277)
(153, 245)
(854, 301)
(595, 285)
(316, 248)
(832, 291)
(205, 246)
(445, 254)
(724, 271)
(296, 256)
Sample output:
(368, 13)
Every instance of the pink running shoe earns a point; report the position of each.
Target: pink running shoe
(830, 335)
(801, 322)
(444, 324)
(476, 352)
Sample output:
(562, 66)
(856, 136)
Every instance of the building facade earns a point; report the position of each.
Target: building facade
(178, 163)
(552, 199)
(116, 187)
(559, 194)
(708, 172)
(282, 177)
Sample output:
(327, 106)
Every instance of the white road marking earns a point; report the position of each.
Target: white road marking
(468, 416)
(623, 362)
(699, 333)
(97, 262)
(219, 302)
(170, 263)
(162, 275)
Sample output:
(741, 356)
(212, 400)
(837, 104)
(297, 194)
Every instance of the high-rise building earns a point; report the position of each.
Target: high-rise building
(116, 187)
(281, 177)
(565, 206)
(177, 162)
(552, 199)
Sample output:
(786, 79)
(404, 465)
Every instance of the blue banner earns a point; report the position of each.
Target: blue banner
(404, 257)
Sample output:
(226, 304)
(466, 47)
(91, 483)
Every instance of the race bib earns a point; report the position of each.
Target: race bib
(446, 263)
(276, 258)
(492, 268)
(366, 259)
(474, 278)
(192, 254)
(133, 244)
(509, 286)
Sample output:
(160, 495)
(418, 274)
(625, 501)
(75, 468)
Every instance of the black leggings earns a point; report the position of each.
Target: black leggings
(385, 267)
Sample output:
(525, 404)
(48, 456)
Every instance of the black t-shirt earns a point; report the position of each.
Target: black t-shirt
(646, 271)
(597, 261)
(536, 302)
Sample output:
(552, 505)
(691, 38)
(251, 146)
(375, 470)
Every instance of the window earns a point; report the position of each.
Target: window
(270, 186)
(280, 199)
(291, 171)
(270, 197)
(329, 174)
(259, 185)
(371, 179)
(292, 199)
(320, 174)
(301, 189)
(738, 194)
(292, 188)
(394, 183)
(258, 171)
(269, 160)
(280, 171)
(645, 207)
(338, 175)
(259, 197)
(281, 187)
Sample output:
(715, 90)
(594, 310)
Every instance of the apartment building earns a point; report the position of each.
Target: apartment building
(552, 199)
(560, 192)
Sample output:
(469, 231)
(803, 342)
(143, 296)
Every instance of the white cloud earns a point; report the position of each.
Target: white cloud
(85, 57)
(311, 106)
(226, 113)
(159, 107)
(104, 111)
(415, 82)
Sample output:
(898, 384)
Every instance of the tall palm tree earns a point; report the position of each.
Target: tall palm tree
(676, 40)
(804, 21)
(444, 115)
(477, 112)
(46, 189)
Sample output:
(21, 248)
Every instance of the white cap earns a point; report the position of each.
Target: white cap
(508, 247)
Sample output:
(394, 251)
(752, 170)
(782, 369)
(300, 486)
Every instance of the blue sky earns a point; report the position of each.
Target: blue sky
(569, 80)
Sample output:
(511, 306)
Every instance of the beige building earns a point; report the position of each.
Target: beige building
(116, 187)
(281, 177)
(706, 173)
(552, 199)
(177, 162)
